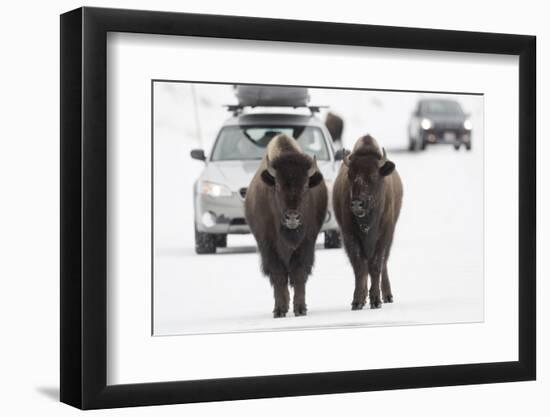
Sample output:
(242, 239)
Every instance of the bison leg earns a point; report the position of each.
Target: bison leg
(300, 308)
(298, 278)
(374, 292)
(278, 276)
(281, 294)
(386, 287)
(360, 292)
(300, 268)
(353, 249)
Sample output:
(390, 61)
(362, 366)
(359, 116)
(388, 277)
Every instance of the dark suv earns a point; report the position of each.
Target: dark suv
(436, 121)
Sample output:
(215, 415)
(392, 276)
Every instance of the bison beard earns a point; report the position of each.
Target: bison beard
(285, 206)
(367, 200)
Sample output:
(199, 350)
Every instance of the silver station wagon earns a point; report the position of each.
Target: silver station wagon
(220, 190)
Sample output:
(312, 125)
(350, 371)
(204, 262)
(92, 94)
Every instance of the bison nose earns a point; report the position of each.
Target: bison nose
(357, 204)
(292, 219)
(358, 207)
(292, 215)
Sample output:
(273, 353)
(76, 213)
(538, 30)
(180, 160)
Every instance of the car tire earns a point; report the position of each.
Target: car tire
(205, 243)
(468, 146)
(457, 146)
(333, 239)
(423, 145)
(412, 145)
(221, 241)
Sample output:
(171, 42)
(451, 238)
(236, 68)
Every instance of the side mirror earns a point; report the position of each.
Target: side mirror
(340, 154)
(198, 154)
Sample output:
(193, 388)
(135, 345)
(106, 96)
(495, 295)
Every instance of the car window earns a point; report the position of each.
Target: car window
(249, 142)
(441, 107)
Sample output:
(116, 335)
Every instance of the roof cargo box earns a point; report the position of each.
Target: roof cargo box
(255, 95)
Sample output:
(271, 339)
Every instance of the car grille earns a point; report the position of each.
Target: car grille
(242, 192)
(447, 126)
(238, 221)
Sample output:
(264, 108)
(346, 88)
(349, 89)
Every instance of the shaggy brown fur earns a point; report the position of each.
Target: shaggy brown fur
(367, 200)
(285, 206)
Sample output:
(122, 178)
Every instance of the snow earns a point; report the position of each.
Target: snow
(436, 264)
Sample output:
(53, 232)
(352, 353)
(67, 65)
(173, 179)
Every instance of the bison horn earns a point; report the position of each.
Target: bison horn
(313, 169)
(384, 157)
(270, 168)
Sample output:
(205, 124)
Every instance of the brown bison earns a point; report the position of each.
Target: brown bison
(335, 126)
(367, 199)
(285, 206)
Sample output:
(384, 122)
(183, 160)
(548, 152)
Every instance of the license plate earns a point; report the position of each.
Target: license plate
(449, 136)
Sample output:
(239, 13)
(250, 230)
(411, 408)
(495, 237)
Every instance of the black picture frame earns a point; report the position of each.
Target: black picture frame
(84, 190)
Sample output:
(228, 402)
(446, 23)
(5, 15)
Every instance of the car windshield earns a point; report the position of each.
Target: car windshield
(249, 142)
(441, 107)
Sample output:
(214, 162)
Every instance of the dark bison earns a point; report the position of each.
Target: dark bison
(367, 199)
(285, 206)
(335, 126)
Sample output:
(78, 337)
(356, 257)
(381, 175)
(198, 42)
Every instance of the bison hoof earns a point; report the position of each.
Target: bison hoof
(375, 304)
(278, 313)
(388, 299)
(357, 305)
(300, 311)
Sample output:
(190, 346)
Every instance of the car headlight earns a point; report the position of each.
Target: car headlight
(214, 190)
(468, 124)
(426, 124)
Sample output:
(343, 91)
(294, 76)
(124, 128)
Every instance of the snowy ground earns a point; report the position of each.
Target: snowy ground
(436, 266)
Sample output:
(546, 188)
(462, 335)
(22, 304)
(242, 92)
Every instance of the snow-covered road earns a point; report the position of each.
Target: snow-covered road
(436, 266)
